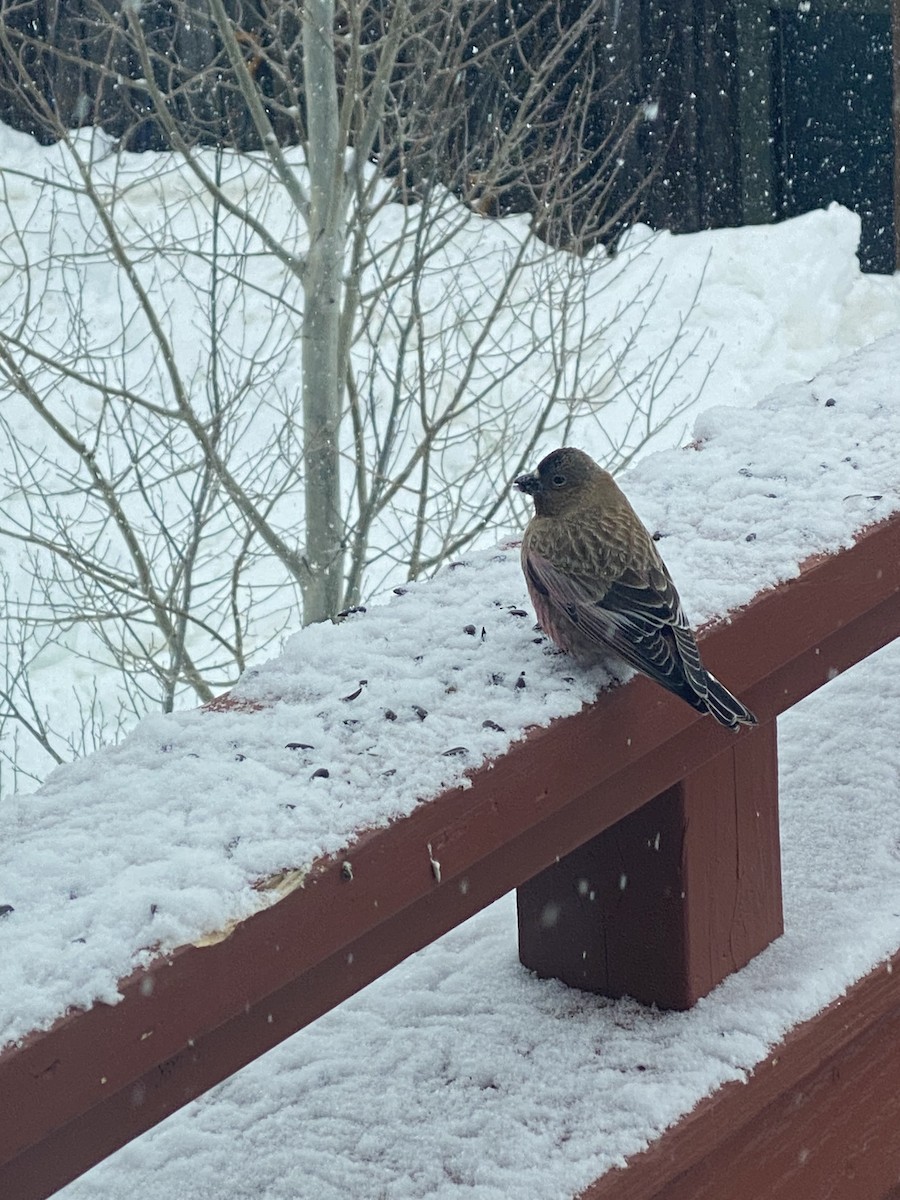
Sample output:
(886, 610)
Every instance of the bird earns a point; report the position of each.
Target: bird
(600, 588)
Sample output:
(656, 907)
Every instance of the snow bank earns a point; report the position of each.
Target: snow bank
(779, 302)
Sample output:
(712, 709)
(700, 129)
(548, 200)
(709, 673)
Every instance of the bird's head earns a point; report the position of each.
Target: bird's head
(561, 481)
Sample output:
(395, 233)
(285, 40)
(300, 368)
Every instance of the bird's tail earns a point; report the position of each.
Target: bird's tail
(726, 708)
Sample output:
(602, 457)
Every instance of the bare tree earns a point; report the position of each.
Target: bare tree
(240, 386)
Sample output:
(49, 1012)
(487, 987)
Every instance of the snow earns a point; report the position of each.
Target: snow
(460, 1073)
(458, 1070)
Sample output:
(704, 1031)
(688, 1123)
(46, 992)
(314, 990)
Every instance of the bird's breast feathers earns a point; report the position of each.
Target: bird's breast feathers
(599, 549)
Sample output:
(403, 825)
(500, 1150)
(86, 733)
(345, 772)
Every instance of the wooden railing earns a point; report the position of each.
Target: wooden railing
(701, 900)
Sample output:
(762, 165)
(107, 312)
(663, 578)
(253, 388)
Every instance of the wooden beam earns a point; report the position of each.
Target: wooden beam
(819, 1117)
(673, 898)
(75, 1093)
(753, 39)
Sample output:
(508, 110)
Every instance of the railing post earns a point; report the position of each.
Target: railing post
(665, 904)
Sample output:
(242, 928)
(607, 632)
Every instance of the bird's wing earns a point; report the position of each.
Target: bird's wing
(638, 616)
(647, 609)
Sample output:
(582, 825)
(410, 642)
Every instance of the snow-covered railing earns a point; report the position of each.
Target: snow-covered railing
(643, 838)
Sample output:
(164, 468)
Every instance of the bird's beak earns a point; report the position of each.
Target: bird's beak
(529, 484)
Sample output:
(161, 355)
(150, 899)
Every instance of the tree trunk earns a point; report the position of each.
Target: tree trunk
(322, 375)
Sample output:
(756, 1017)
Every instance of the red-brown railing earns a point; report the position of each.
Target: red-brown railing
(540, 819)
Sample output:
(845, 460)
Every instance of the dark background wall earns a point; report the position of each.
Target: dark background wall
(831, 126)
(740, 111)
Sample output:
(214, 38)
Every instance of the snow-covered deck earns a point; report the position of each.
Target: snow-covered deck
(459, 1069)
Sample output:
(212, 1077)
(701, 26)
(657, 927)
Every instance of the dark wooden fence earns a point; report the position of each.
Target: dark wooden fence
(738, 113)
(654, 121)
(538, 820)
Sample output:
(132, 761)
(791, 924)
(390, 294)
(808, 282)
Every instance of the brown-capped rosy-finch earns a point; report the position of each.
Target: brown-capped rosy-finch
(600, 588)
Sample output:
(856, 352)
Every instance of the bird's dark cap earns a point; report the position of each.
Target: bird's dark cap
(557, 469)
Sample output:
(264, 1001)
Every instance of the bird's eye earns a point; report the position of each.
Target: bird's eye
(558, 480)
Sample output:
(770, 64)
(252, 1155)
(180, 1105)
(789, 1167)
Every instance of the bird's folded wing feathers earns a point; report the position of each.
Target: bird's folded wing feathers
(639, 617)
(655, 601)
